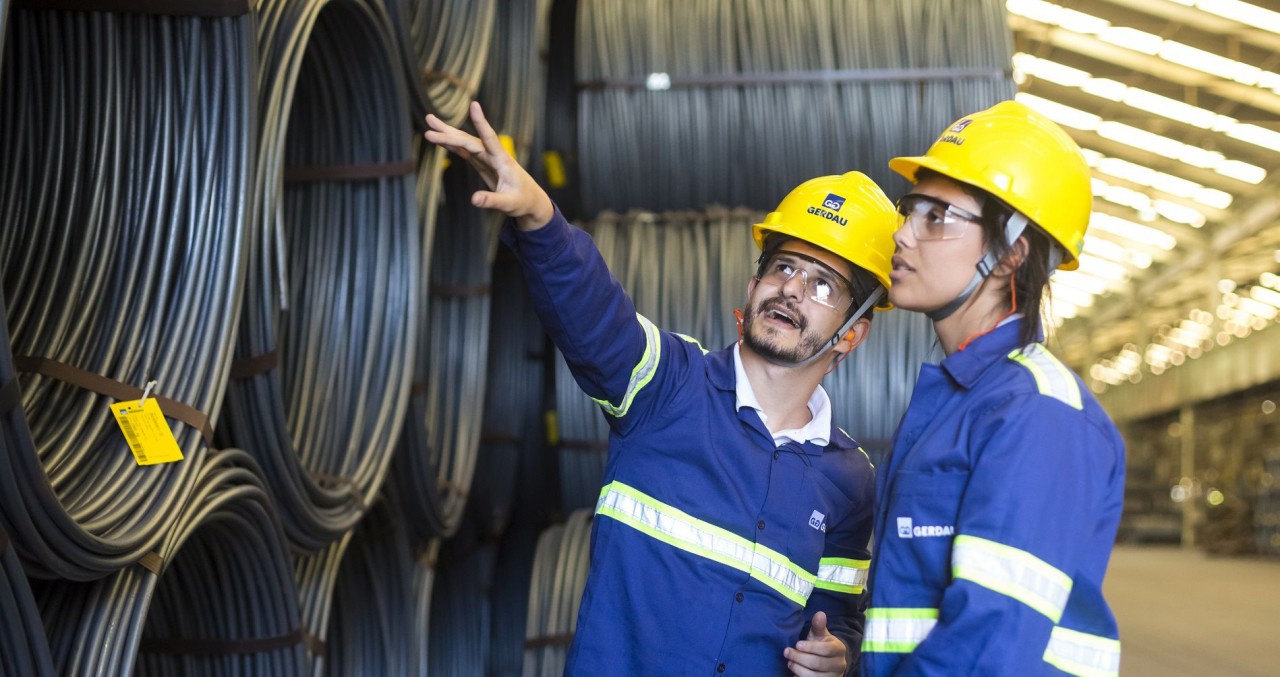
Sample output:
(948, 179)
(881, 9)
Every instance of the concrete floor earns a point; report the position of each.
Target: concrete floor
(1185, 614)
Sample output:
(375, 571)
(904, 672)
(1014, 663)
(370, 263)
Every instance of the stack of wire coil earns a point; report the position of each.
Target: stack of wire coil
(24, 649)
(316, 576)
(509, 597)
(444, 48)
(373, 627)
(216, 598)
(461, 608)
(127, 144)
(512, 94)
(326, 346)
(555, 590)
(705, 102)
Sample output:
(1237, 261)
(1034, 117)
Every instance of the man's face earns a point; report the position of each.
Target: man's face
(782, 322)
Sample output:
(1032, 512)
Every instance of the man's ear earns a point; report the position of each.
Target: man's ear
(751, 287)
(855, 336)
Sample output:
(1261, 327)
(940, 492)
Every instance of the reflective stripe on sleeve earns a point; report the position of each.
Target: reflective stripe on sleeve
(1077, 653)
(643, 371)
(897, 630)
(842, 575)
(1013, 572)
(689, 339)
(1053, 378)
(676, 528)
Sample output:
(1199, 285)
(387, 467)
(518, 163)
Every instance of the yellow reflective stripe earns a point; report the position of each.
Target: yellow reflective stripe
(842, 575)
(1013, 572)
(891, 630)
(1053, 378)
(643, 371)
(1077, 653)
(694, 341)
(676, 528)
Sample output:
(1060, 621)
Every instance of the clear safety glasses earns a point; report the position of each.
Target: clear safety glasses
(820, 283)
(933, 219)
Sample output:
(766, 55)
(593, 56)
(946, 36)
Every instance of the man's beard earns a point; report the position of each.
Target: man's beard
(769, 346)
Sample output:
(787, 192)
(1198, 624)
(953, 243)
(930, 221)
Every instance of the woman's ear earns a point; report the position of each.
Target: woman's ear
(1014, 258)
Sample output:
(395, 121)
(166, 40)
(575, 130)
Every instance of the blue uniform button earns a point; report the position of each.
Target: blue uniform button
(738, 597)
(720, 668)
(760, 525)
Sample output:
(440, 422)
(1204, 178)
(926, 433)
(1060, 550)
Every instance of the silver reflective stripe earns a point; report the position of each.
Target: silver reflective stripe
(1053, 378)
(891, 630)
(676, 528)
(843, 575)
(1013, 572)
(643, 371)
(1077, 653)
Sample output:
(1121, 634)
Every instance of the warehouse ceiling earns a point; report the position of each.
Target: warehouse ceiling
(1176, 104)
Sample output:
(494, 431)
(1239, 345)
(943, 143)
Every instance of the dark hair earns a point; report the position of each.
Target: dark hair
(863, 283)
(1031, 279)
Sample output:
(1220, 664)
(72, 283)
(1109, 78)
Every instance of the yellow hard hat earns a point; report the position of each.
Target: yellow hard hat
(847, 215)
(1023, 158)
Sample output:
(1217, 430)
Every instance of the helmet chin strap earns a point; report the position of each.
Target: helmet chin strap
(1013, 230)
(875, 296)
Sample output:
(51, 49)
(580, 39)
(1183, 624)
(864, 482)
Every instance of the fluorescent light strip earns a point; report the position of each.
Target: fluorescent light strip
(1129, 230)
(1156, 104)
(1154, 45)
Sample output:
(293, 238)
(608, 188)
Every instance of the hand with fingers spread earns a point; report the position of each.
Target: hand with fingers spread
(821, 653)
(511, 190)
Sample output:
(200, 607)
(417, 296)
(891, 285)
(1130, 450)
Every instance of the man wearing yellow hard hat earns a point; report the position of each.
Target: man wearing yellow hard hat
(732, 533)
(1000, 500)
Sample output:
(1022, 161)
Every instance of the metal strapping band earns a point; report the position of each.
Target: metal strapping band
(152, 562)
(10, 396)
(221, 647)
(549, 640)
(205, 8)
(418, 388)
(354, 172)
(805, 77)
(436, 76)
(248, 367)
(448, 291)
(351, 486)
(588, 446)
(102, 385)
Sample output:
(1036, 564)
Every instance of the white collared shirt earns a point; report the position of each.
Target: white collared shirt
(816, 430)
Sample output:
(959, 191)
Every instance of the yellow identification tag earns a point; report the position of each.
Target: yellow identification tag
(554, 167)
(508, 143)
(553, 428)
(148, 433)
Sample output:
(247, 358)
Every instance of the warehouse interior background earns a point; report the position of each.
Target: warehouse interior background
(226, 206)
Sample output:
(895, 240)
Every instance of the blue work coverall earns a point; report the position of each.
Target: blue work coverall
(711, 548)
(999, 507)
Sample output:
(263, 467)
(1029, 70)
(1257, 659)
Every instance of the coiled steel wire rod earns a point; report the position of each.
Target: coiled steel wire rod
(216, 598)
(126, 146)
(764, 95)
(331, 308)
(445, 47)
(316, 575)
(461, 608)
(373, 629)
(555, 591)
(24, 649)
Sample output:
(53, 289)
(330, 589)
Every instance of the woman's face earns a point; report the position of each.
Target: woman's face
(928, 273)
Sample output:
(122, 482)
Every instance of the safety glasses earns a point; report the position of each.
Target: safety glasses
(933, 219)
(821, 284)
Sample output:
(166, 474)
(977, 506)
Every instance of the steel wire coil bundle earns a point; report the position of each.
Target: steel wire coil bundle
(333, 293)
(216, 598)
(555, 590)
(127, 161)
(316, 576)
(445, 45)
(509, 597)
(436, 463)
(763, 95)
(24, 649)
(461, 609)
(373, 629)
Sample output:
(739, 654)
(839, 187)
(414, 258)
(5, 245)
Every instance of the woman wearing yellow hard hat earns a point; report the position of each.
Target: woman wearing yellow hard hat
(1000, 501)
